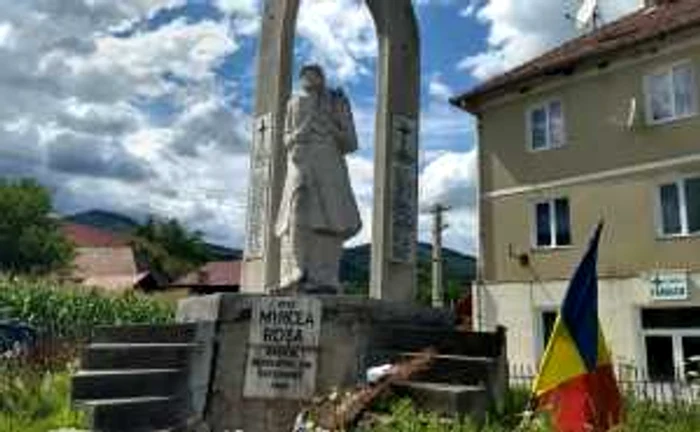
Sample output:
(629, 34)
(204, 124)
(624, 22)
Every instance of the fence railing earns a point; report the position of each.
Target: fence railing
(633, 382)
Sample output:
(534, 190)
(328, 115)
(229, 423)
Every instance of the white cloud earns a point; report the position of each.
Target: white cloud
(450, 180)
(187, 50)
(470, 9)
(438, 89)
(341, 35)
(136, 122)
(520, 30)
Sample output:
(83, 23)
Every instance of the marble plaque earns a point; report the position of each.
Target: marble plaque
(283, 348)
(404, 207)
(258, 190)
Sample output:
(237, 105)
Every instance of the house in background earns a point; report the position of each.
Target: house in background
(604, 126)
(214, 277)
(103, 259)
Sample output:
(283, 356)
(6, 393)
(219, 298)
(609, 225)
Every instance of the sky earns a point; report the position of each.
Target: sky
(143, 106)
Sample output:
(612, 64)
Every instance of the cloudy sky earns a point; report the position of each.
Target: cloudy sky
(142, 106)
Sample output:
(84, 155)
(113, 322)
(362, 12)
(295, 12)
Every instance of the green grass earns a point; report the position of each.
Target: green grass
(34, 401)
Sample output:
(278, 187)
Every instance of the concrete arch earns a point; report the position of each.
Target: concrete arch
(394, 224)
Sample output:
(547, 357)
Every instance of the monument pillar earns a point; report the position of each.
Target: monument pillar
(395, 218)
(261, 265)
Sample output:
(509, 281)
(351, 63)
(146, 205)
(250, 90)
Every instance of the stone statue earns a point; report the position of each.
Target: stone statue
(318, 211)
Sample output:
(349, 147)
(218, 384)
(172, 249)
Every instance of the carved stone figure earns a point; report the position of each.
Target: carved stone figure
(318, 211)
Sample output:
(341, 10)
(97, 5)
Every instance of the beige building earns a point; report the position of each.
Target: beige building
(604, 126)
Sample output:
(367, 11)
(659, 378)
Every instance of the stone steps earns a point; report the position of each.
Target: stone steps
(126, 383)
(459, 370)
(401, 339)
(463, 378)
(139, 414)
(137, 378)
(136, 355)
(167, 333)
(450, 400)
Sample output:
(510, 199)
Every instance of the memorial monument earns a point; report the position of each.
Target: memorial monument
(394, 221)
(318, 211)
(252, 361)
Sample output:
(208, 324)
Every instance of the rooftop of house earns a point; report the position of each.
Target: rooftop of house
(215, 273)
(84, 236)
(659, 21)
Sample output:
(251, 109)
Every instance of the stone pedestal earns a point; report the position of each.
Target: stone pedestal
(254, 386)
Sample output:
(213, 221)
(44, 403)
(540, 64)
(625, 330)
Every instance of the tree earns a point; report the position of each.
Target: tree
(169, 248)
(31, 241)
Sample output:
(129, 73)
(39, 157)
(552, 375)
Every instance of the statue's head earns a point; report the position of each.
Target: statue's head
(312, 78)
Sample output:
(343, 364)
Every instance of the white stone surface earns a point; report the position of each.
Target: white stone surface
(318, 211)
(283, 348)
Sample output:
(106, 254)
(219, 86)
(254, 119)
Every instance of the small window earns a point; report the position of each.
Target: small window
(680, 207)
(549, 318)
(546, 126)
(671, 94)
(553, 223)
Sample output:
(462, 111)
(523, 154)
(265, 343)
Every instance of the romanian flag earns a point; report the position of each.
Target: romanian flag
(576, 382)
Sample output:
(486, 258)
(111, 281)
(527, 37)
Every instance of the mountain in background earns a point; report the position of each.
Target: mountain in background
(354, 267)
(105, 220)
(121, 224)
(458, 267)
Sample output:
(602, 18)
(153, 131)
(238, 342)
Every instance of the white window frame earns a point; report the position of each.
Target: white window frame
(679, 183)
(552, 224)
(668, 69)
(676, 336)
(528, 121)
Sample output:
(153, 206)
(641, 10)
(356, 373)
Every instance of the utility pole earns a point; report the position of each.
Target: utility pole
(438, 293)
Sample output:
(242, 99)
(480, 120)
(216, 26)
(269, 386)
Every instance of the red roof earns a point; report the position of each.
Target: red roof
(215, 273)
(84, 236)
(668, 16)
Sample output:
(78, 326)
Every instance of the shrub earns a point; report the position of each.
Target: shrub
(32, 401)
(71, 312)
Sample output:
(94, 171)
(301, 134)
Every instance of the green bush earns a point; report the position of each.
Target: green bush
(71, 312)
(32, 401)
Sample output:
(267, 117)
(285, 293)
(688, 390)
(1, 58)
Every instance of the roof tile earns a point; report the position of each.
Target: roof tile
(667, 17)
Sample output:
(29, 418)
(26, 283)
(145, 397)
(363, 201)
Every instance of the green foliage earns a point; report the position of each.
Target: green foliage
(169, 248)
(30, 240)
(34, 401)
(401, 416)
(71, 312)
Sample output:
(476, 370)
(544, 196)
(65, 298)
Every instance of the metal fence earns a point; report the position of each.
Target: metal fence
(633, 382)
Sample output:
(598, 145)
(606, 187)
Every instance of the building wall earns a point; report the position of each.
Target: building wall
(630, 243)
(596, 108)
(518, 306)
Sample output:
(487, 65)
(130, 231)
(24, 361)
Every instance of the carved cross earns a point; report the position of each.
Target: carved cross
(403, 153)
(260, 150)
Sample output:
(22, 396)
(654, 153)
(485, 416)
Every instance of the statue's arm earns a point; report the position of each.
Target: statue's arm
(349, 133)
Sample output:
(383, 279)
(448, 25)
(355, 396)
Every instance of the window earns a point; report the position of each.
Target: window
(671, 94)
(672, 343)
(552, 223)
(546, 126)
(680, 207)
(548, 320)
